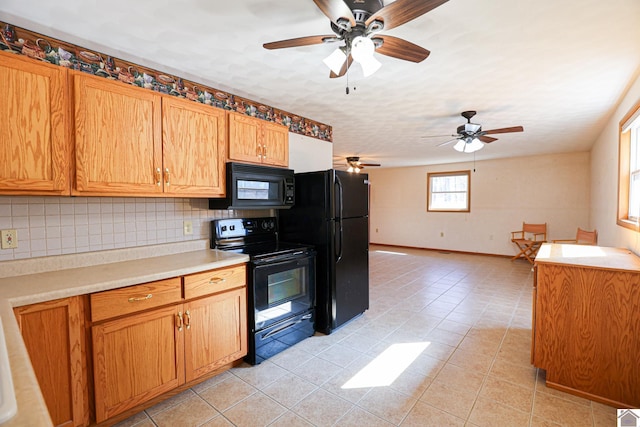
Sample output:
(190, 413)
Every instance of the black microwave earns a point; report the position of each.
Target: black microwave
(256, 187)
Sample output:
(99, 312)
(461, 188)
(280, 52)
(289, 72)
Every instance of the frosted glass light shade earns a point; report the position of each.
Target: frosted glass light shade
(474, 145)
(362, 49)
(460, 145)
(335, 60)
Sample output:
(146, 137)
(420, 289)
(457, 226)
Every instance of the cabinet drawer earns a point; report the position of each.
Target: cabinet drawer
(213, 281)
(131, 299)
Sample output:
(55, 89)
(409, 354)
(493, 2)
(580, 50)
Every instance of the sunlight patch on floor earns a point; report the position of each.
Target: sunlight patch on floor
(384, 369)
(390, 252)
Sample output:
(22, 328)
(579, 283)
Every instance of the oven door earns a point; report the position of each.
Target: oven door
(282, 289)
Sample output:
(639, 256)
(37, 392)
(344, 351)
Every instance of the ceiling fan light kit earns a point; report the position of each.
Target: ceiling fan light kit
(468, 145)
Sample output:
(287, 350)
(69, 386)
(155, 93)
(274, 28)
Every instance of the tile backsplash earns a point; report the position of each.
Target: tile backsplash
(66, 225)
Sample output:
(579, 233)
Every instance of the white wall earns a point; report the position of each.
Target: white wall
(504, 193)
(308, 154)
(604, 173)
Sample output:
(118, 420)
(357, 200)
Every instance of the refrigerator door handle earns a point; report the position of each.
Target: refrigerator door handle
(338, 184)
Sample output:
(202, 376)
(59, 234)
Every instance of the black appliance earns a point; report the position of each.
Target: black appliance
(280, 284)
(256, 187)
(332, 214)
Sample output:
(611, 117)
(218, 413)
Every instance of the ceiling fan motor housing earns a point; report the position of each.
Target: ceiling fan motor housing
(363, 9)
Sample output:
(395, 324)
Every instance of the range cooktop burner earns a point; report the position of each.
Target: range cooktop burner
(256, 237)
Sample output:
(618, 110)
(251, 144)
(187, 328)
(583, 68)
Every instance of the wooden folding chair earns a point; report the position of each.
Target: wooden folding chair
(583, 237)
(528, 240)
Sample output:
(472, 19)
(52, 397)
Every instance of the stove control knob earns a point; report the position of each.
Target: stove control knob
(272, 225)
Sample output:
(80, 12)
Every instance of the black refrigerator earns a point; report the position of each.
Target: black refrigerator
(331, 212)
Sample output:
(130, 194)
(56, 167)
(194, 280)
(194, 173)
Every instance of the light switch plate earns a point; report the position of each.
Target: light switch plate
(9, 239)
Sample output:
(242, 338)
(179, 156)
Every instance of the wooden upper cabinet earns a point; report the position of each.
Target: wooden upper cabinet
(135, 142)
(244, 134)
(118, 138)
(275, 144)
(194, 146)
(34, 137)
(257, 141)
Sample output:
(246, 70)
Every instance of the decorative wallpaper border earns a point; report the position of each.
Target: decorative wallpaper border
(43, 48)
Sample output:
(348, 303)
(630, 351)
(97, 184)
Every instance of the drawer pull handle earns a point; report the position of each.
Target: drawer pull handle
(158, 177)
(217, 280)
(179, 320)
(188, 322)
(167, 177)
(135, 299)
(264, 151)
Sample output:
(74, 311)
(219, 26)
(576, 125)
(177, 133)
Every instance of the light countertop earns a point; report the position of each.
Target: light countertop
(586, 256)
(43, 279)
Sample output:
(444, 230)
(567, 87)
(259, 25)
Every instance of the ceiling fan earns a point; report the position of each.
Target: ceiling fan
(357, 22)
(471, 137)
(354, 164)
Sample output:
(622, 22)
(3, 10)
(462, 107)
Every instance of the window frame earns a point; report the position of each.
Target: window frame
(624, 168)
(466, 173)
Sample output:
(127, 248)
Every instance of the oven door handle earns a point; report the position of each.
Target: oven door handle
(287, 326)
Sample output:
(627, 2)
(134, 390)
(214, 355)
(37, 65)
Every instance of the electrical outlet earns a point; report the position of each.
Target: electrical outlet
(9, 239)
(187, 228)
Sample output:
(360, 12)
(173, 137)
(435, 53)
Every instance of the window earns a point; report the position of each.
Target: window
(449, 191)
(629, 170)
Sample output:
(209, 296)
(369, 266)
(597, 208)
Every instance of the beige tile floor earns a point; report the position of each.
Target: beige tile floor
(465, 321)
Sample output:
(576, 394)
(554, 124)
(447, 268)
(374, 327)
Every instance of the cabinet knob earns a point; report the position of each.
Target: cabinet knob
(167, 177)
(158, 176)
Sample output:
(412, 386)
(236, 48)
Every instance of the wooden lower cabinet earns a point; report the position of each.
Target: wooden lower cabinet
(585, 322)
(53, 333)
(136, 358)
(216, 332)
(139, 356)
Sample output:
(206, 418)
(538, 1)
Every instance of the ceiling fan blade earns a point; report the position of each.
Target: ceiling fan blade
(401, 11)
(504, 130)
(300, 41)
(447, 142)
(487, 139)
(343, 70)
(370, 164)
(336, 9)
(401, 49)
(438, 136)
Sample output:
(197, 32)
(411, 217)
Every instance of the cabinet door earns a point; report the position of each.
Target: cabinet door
(194, 148)
(118, 138)
(137, 358)
(216, 333)
(34, 135)
(275, 144)
(53, 334)
(244, 144)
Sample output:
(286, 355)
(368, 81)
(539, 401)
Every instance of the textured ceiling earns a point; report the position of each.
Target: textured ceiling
(556, 67)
